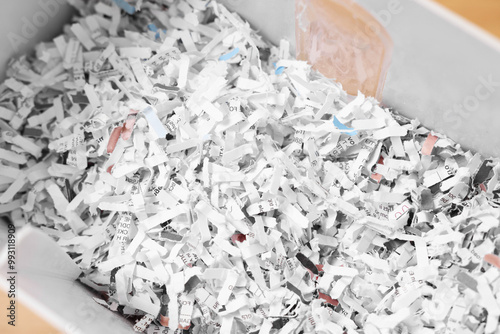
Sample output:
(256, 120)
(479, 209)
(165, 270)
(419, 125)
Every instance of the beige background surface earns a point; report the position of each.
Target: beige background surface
(484, 13)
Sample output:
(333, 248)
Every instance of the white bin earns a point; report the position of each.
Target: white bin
(440, 61)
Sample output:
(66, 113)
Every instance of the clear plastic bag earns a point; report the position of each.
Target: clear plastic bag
(344, 42)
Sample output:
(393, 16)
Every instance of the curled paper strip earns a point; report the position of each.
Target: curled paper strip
(123, 4)
(230, 54)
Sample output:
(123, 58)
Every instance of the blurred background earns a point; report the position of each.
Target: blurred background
(483, 13)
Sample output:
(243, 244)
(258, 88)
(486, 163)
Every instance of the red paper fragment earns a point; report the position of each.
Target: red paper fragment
(493, 260)
(164, 320)
(238, 237)
(128, 126)
(429, 144)
(328, 299)
(113, 138)
(375, 176)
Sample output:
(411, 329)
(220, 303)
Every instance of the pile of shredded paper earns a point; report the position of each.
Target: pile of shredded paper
(205, 181)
